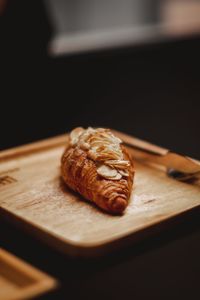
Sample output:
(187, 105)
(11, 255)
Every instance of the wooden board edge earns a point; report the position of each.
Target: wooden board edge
(26, 149)
(98, 249)
(61, 140)
(42, 287)
(52, 142)
(43, 282)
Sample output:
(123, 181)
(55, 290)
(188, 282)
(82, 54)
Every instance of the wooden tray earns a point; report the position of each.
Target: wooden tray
(32, 194)
(18, 280)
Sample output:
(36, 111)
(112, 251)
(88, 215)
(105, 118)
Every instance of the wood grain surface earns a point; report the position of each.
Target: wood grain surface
(33, 195)
(18, 280)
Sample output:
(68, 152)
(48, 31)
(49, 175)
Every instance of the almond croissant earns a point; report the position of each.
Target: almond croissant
(96, 165)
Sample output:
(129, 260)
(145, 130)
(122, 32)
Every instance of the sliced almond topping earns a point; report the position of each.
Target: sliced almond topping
(109, 173)
(75, 134)
(124, 173)
(106, 171)
(119, 164)
(85, 146)
(104, 148)
(117, 177)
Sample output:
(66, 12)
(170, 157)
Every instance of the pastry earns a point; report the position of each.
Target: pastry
(97, 165)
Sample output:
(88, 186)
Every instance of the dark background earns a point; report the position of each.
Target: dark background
(152, 92)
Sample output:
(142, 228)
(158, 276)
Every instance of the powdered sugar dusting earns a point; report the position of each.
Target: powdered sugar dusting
(141, 203)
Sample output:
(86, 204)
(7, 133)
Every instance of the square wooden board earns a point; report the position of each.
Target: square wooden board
(32, 195)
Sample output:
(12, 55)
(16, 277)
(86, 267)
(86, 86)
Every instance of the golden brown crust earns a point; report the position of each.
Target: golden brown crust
(80, 174)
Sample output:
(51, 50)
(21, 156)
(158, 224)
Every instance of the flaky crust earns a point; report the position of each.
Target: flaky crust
(80, 174)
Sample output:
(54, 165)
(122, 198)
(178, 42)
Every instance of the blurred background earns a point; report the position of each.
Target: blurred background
(129, 65)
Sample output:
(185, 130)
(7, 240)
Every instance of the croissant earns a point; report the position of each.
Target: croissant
(97, 165)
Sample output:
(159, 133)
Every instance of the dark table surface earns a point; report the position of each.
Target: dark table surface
(165, 266)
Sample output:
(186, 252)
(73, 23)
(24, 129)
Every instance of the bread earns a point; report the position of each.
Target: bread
(96, 165)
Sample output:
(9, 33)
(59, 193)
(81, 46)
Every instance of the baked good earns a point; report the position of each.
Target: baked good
(97, 165)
